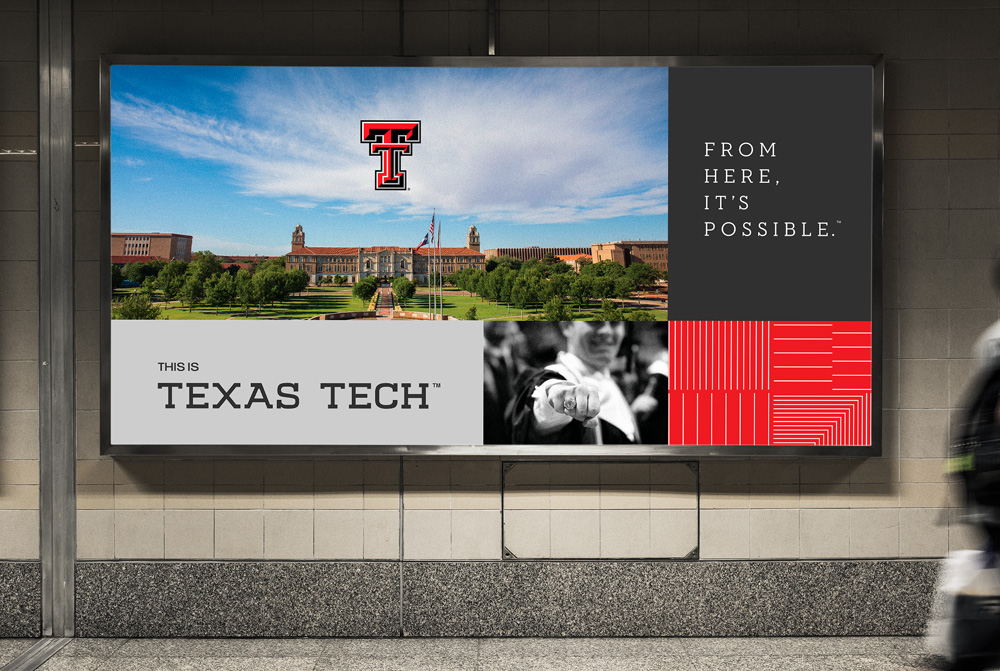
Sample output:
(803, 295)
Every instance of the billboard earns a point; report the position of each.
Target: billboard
(491, 256)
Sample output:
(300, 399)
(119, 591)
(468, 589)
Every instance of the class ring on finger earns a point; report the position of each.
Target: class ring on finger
(569, 404)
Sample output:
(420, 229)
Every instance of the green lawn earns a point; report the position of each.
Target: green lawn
(456, 305)
(314, 301)
(325, 300)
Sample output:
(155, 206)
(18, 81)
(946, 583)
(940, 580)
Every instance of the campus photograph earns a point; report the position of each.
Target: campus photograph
(259, 193)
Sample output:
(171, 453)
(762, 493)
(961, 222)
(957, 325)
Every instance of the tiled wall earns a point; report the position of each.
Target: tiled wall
(18, 281)
(592, 510)
(238, 510)
(942, 185)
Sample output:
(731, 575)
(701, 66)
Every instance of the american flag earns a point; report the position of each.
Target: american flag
(428, 237)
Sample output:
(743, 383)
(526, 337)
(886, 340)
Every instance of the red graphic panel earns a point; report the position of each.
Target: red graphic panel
(770, 383)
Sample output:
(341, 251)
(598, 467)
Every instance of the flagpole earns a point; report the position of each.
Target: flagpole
(440, 281)
(430, 275)
(437, 271)
(430, 285)
(431, 282)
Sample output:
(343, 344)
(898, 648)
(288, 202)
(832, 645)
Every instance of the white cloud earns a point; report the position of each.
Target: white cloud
(534, 146)
(235, 247)
(358, 209)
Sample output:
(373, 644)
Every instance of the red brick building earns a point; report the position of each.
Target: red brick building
(528, 253)
(627, 252)
(356, 263)
(166, 246)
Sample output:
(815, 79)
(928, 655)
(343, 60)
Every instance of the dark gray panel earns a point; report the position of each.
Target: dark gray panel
(872, 598)
(777, 246)
(20, 599)
(141, 599)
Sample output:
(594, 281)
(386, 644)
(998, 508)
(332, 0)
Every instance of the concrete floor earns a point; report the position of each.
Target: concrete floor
(12, 647)
(609, 654)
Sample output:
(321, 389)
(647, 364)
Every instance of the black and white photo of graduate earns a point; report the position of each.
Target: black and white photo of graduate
(583, 383)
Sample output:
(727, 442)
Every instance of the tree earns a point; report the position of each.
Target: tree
(605, 268)
(116, 277)
(506, 287)
(153, 267)
(640, 316)
(604, 287)
(493, 285)
(339, 280)
(521, 294)
(138, 272)
(296, 280)
(642, 274)
(470, 314)
(463, 278)
(135, 306)
(555, 311)
(174, 269)
(192, 292)
(581, 290)
(403, 289)
(609, 313)
(149, 288)
(558, 268)
(133, 272)
(476, 282)
(541, 289)
(364, 289)
(623, 288)
(259, 263)
(504, 261)
(219, 291)
(273, 262)
(204, 264)
(560, 284)
(244, 289)
(270, 285)
(171, 279)
(171, 288)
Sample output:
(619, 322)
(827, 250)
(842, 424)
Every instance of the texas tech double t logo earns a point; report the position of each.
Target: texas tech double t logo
(390, 139)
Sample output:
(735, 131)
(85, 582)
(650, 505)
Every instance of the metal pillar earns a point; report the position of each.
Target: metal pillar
(56, 351)
(492, 26)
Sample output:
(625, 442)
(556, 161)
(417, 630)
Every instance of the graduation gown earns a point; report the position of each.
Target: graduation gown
(519, 417)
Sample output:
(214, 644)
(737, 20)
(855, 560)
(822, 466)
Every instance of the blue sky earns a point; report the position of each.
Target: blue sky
(237, 156)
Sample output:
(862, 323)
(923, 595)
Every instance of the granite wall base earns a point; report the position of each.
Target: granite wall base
(237, 599)
(776, 598)
(249, 599)
(20, 599)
